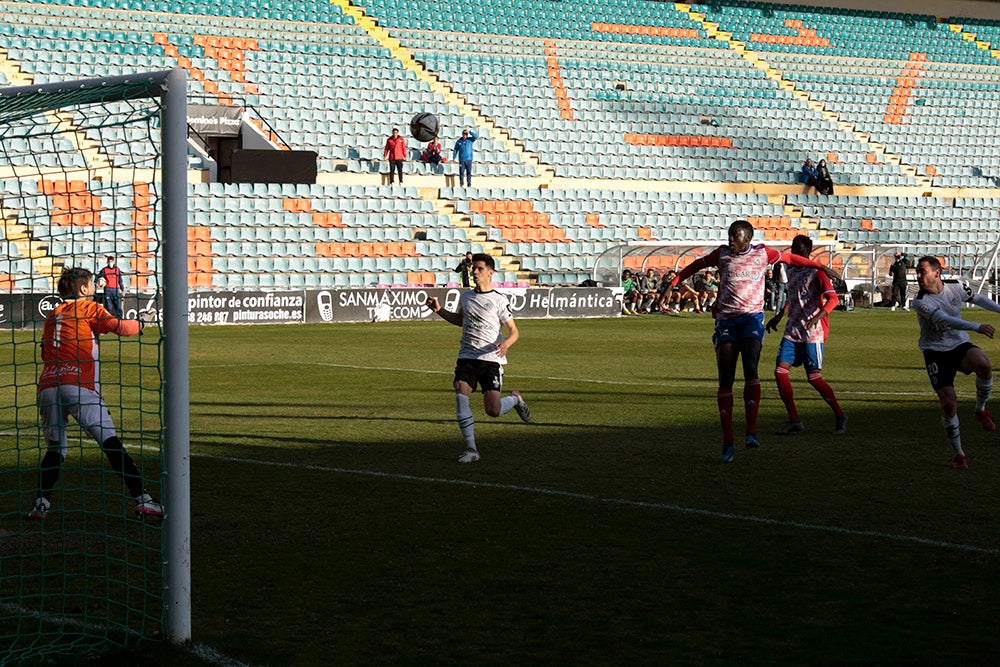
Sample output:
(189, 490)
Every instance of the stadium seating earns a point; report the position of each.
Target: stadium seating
(614, 121)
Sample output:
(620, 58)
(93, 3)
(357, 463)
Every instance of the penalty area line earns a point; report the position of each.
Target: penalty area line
(623, 502)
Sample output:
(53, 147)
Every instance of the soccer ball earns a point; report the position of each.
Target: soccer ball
(424, 127)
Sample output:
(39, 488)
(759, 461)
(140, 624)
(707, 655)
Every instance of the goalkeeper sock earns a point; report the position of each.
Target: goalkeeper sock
(466, 422)
(49, 473)
(984, 387)
(123, 464)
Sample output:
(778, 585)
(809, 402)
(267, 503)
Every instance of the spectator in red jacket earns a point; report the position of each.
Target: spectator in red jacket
(395, 153)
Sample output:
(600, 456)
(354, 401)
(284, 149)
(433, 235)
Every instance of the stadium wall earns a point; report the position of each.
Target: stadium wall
(26, 311)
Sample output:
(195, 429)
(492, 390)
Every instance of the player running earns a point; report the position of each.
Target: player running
(948, 350)
(739, 321)
(482, 313)
(810, 300)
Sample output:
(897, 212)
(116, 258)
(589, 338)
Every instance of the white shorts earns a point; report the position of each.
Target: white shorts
(56, 404)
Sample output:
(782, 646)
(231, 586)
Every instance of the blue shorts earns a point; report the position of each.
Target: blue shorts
(809, 355)
(739, 328)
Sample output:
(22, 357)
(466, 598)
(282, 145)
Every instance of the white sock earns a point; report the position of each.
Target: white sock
(954, 434)
(983, 390)
(507, 404)
(466, 422)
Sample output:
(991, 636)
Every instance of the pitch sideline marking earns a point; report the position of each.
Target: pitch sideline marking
(681, 509)
(553, 378)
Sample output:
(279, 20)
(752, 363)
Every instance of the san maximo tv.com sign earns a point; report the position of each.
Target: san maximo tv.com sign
(365, 305)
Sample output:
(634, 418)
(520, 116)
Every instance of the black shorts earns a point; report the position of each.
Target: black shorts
(943, 366)
(488, 374)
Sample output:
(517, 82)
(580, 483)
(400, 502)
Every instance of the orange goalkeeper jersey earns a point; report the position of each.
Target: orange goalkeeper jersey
(70, 345)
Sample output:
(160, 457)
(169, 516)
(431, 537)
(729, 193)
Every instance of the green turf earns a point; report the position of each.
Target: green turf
(331, 523)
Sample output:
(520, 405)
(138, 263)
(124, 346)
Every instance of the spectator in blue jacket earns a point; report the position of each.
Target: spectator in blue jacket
(809, 175)
(463, 152)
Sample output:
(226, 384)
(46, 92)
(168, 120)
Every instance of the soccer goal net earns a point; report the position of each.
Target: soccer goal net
(92, 176)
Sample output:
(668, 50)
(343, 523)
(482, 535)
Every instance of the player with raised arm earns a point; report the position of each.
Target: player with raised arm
(947, 349)
(482, 313)
(811, 298)
(739, 321)
(70, 385)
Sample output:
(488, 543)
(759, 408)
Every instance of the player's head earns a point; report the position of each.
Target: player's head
(928, 271)
(395, 131)
(111, 260)
(75, 282)
(740, 234)
(802, 245)
(483, 268)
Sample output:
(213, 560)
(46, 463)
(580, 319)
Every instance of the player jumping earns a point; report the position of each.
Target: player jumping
(811, 299)
(739, 321)
(947, 349)
(482, 313)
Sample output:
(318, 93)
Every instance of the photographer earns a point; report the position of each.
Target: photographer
(897, 271)
(465, 268)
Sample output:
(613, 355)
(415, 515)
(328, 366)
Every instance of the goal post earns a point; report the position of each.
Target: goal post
(90, 168)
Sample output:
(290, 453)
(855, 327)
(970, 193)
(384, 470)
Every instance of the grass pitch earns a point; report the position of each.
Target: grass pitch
(332, 524)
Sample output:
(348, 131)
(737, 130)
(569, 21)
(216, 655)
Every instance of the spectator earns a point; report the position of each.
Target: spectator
(395, 152)
(897, 271)
(706, 284)
(432, 153)
(769, 289)
(113, 282)
(463, 151)
(465, 269)
(810, 175)
(780, 285)
(824, 184)
(630, 293)
(648, 289)
(682, 296)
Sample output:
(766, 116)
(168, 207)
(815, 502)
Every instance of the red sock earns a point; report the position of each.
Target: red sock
(786, 392)
(725, 400)
(826, 391)
(751, 402)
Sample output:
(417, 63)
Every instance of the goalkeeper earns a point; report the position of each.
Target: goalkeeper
(70, 385)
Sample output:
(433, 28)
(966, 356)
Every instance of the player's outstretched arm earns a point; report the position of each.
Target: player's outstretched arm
(985, 303)
(797, 260)
(446, 315)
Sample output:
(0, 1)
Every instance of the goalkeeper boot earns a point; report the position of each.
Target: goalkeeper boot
(146, 506)
(523, 411)
(40, 510)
